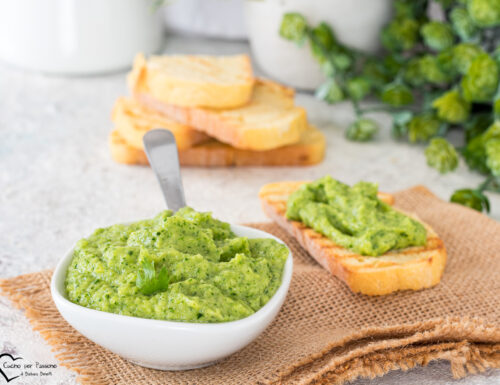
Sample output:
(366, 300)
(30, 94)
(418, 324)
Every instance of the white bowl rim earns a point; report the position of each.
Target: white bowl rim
(62, 265)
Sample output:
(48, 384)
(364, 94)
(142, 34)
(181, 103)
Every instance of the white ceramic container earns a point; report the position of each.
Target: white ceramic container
(356, 23)
(214, 18)
(77, 37)
(169, 345)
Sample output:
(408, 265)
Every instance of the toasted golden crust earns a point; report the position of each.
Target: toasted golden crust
(194, 81)
(412, 268)
(270, 120)
(121, 152)
(310, 150)
(133, 120)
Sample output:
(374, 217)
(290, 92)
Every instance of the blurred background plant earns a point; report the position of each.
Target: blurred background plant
(434, 76)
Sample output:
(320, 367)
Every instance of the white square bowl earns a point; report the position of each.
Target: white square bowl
(169, 345)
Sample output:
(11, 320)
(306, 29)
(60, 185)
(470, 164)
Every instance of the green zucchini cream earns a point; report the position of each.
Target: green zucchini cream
(353, 217)
(185, 266)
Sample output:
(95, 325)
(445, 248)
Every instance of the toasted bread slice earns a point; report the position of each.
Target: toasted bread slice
(411, 268)
(133, 120)
(194, 81)
(310, 150)
(122, 152)
(270, 120)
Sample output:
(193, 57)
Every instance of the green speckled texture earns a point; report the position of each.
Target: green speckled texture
(214, 275)
(353, 217)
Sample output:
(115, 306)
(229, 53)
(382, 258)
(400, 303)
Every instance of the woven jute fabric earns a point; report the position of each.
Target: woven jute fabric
(325, 334)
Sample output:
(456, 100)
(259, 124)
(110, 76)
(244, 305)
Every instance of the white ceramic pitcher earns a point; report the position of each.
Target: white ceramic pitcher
(77, 37)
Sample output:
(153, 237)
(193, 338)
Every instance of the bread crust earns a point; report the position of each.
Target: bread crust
(413, 268)
(270, 119)
(310, 150)
(133, 120)
(121, 152)
(194, 80)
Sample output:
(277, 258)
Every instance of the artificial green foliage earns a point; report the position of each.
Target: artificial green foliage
(375, 72)
(441, 155)
(401, 34)
(322, 41)
(434, 77)
(493, 132)
(476, 125)
(431, 71)
(446, 3)
(475, 151)
(445, 61)
(294, 27)
(330, 92)
(463, 56)
(463, 24)
(474, 154)
(423, 127)
(413, 74)
(362, 130)
(451, 107)
(400, 122)
(391, 65)
(496, 108)
(396, 94)
(480, 82)
(495, 54)
(437, 36)
(414, 9)
(472, 198)
(342, 59)
(492, 148)
(358, 87)
(484, 13)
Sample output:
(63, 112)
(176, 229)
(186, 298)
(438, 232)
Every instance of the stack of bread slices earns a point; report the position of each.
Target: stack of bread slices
(218, 112)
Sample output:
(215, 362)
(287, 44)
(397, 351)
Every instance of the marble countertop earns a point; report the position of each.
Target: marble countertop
(58, 183)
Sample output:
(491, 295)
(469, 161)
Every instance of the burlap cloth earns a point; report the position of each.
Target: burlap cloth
(325, 333)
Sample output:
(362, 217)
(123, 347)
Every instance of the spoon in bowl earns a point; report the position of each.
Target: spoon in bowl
(161, 150)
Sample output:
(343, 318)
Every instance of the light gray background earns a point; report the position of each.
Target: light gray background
(58, 183)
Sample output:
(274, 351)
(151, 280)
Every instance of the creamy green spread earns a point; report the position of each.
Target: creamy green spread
(185, 266)
(353, 217)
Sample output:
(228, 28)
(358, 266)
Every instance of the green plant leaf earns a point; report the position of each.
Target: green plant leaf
(293, 27)
(330, 92)
(400, 120)
(358, 87)
(149, 281)
(484, 13)
(471, 198)
(464, 54)
(474, 152)
(441, 155)
(476, 125)
(401, 34)
(451, 107)
(375, 71)
(492, 148)
(431, 70)
(423, 127)
(412, 73)
(480, 82)
(396, 94)
(322, 40)
(463, 24)
(413, 9)
(446, 64)
(475, 155)
(437, 35)
(362, 130)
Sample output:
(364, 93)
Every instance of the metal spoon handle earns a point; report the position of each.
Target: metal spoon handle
(161, 150)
